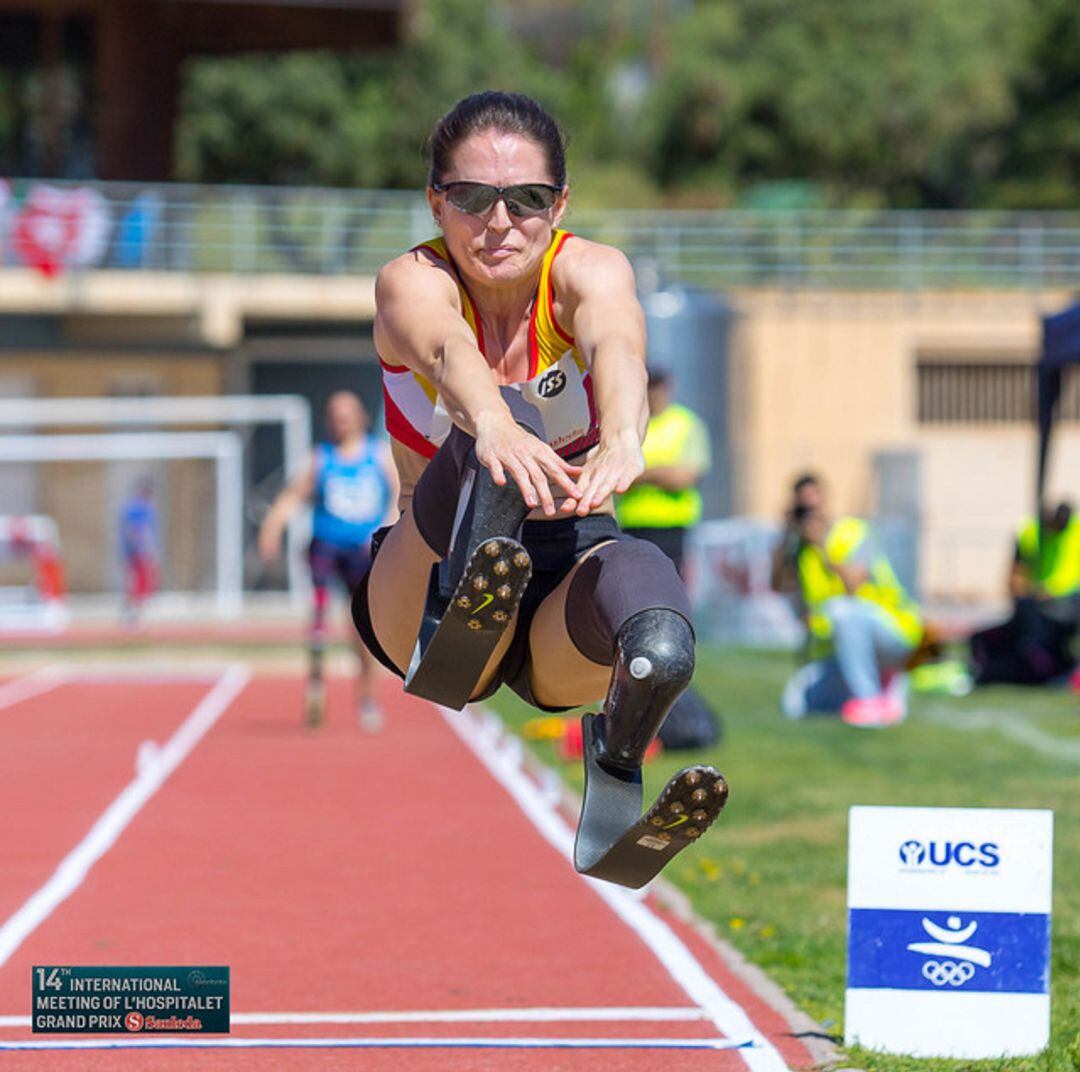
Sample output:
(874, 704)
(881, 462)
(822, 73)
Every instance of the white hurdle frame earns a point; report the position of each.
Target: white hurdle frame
(291, 411)
(223, 448)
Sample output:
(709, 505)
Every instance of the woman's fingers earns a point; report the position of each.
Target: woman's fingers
(604, 476)
(540, 483)
(564, 475)
(534, 466)
(494, 466)
(524, 481)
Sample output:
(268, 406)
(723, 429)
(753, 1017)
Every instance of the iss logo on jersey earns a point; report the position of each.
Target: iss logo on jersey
(551, 383)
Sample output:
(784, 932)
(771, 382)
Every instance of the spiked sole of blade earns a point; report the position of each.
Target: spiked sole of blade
(616, 843)
(452, 651)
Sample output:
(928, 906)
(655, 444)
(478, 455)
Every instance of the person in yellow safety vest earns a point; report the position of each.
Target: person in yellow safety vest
(663, 504)
(1047, 567)
(856, 606)
(1034, 646)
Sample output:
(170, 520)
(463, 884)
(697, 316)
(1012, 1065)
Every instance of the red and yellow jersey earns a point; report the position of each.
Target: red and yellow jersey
(558, 389)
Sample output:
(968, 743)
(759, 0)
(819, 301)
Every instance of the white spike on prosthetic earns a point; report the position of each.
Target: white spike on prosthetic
(615, 842)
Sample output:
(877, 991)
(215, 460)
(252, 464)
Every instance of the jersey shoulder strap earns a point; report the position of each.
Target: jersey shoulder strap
(437, 248)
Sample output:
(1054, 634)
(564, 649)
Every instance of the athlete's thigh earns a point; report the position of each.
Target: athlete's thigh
(560, 676)
(397, 594)
(397, 589)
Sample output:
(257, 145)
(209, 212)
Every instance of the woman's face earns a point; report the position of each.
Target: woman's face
(497, 248)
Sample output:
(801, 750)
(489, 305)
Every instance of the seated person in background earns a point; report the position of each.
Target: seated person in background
(1035, 645)
(858, 609)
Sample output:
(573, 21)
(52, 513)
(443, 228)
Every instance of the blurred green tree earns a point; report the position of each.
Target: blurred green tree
(349, 120)
(904, 101)
(1042, 158)
(776, 103)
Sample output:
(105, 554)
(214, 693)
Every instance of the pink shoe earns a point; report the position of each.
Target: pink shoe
(1074, 681)
(885, 709)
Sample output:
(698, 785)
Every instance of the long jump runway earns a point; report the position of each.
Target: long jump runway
(400, 901)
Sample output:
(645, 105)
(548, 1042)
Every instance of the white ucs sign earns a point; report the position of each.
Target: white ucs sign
(949, 931)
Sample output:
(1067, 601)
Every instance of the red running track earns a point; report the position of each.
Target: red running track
(392, 880)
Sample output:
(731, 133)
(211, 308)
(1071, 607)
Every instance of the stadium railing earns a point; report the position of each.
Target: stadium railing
(242, 229)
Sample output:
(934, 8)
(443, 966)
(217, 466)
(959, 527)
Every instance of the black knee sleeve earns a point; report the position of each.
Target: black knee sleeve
(435, 497)
(628, 606)
(616, 582)
(654, 663)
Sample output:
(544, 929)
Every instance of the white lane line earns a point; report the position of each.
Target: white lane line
(1016, 729)
(146, 1043)
(504, 764)
(33, 684)
(104, 673)
(604, 1014)
(74, 868)
(148, 671)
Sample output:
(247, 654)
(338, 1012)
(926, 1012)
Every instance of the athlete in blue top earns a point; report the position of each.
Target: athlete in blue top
(352, 485)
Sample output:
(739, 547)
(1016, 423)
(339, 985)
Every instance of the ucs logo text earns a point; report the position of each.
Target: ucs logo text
(942, 853)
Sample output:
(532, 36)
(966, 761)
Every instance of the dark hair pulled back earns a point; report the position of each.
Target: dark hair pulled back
(508, 113)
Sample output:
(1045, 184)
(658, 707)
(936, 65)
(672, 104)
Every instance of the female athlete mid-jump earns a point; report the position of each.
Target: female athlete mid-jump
(513, 357)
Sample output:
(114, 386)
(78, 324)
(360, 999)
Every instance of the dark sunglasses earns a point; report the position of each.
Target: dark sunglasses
(476, 198)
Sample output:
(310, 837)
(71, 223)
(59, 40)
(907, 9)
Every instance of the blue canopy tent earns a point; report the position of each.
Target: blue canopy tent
(1061, 347)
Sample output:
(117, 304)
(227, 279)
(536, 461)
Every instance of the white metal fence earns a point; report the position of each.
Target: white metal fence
(240, 229)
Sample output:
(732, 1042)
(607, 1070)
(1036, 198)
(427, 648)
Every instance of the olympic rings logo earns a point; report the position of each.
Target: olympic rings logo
(947, 972)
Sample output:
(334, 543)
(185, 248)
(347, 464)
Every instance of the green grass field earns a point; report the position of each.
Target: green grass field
(771, 875)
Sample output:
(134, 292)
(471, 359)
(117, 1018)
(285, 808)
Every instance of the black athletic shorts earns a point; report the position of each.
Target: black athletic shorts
(329, 561)
(554, 547)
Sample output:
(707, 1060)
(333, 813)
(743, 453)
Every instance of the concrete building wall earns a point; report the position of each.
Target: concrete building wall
(825, 381)
(91, 373)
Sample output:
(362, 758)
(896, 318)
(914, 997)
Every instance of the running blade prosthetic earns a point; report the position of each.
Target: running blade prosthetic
(614, 840)
(314, 702)
(457, 639)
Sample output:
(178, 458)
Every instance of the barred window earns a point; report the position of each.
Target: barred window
(985, 392)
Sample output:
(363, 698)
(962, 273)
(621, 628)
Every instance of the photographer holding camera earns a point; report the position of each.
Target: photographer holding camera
(857, 615)
(806, 496)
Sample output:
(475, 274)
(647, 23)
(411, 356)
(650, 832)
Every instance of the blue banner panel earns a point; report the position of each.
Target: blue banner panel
(1004, 952)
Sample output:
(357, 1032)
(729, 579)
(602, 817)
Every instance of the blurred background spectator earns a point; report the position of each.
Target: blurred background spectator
(139, 550)
(1035, 645)
(863, 626)
(663, 506)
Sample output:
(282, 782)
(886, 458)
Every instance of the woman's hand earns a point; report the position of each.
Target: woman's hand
(506, 449)
(613, 468)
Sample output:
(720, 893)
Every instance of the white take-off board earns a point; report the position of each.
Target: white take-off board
(949, 931)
